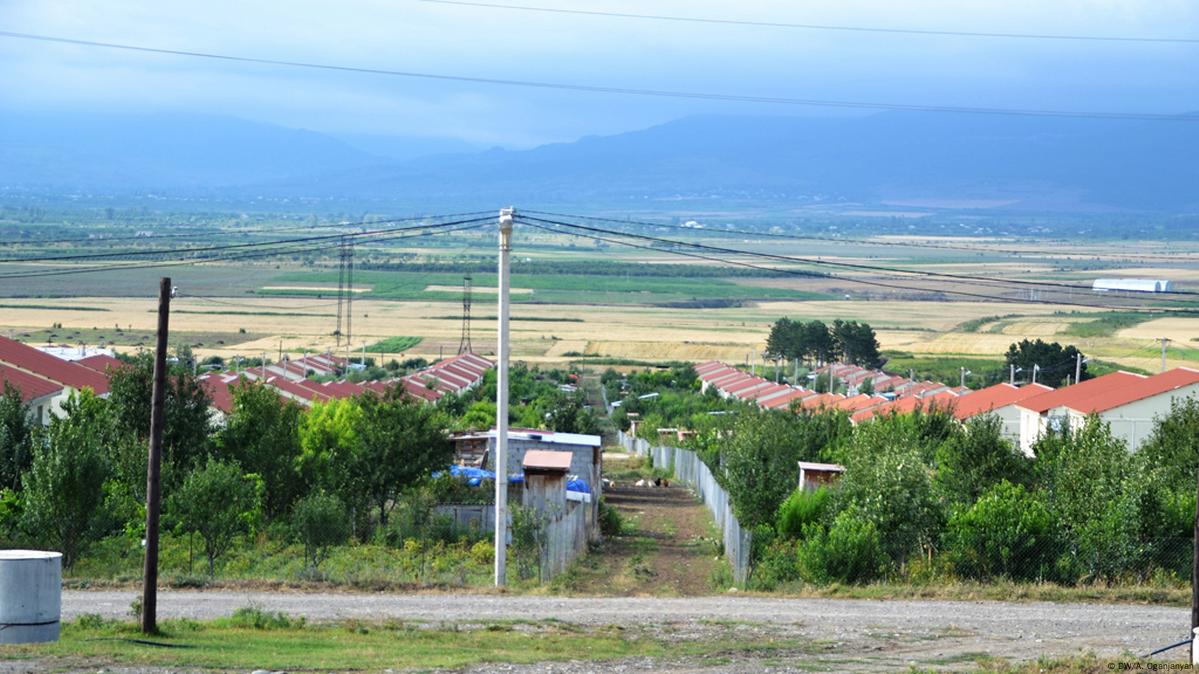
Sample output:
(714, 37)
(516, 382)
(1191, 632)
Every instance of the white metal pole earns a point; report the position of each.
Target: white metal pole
(501, 407)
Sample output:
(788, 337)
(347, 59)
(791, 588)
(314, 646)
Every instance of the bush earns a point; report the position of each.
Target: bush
(321, 521)
(800, 509)
(776, 564)
(1008, 533)
(851, 551)
(252, 617)
(610, 521)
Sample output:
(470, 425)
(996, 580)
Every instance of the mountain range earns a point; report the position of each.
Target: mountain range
(886, 161)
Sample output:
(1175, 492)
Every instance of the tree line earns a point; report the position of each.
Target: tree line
(815, 342)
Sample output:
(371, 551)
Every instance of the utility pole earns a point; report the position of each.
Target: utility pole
(1195, 582)
(1164, 342)
(1035, 369)
(154, 464)
(1077, 369)
(501, 406)
(964, 372)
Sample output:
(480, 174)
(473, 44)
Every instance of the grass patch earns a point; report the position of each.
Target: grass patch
(947, 369)
(126, 336)
(1108, 324)
(1159, 595)
(394, 344)
(284, 643)
(52, 307)
(975, 324)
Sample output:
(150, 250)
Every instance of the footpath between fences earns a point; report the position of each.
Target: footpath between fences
(688, 469)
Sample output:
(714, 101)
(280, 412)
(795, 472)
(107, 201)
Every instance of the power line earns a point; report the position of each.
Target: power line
(219, 231)
(819, 26)
(835, 239)
(526, 220)
(402, 233)
(624, 91)
(985, 280)
(203, 249)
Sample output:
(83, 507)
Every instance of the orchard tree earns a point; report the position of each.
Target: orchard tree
(263, 435)
(186, 415)
(220, 503)
(64, 487)
(975, 459)
(399, 443)
(321, 521)
(16, 437)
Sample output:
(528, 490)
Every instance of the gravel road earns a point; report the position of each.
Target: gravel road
(887, 633)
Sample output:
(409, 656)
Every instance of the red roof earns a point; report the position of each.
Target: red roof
(907, 406)
(31, 386)
(217, 388)
(821, 400)
(1137, 390)
(784, 400)
(49, 367)
(101, 362)
(545, 459)
(994, 397)
(1079, 393)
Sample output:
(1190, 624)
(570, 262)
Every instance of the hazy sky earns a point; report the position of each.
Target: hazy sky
(420, 36)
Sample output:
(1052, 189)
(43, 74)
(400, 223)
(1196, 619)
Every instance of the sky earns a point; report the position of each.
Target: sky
(414, 35)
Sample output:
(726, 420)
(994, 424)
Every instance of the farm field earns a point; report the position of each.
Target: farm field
(557, 333)
(576, 300)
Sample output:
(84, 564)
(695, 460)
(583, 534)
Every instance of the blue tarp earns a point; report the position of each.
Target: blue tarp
(579, 486)
(475, 476)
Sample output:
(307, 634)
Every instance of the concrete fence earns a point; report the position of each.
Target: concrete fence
(691, 471)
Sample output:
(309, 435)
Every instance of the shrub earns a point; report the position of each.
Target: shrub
(851, 551)
(800, 509)
(256, 618)
(321, 521)
(610, 521)
(776, 564)
(1008, 533)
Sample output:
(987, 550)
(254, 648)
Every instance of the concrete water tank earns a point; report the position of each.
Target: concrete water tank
(30, 596)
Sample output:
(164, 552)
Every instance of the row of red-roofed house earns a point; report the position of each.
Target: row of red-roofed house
(45, 381)
(450, 376)
(1129, 403)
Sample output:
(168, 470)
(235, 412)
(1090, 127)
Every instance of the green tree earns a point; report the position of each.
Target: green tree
(851, 551)
(321, 521)
(856, 343)
(186, 415)
(400, 442)
(1007, 533)
(1174, 445)
(1089, 486)
(328, 445)
(760, 463)
(1053, 361)
(887, 480)
(64, 487)
(219, 503)
(16, 437)
(973, 460)
(263, 436)
(569, 414)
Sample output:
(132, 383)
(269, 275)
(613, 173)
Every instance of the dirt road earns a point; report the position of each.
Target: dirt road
(667, 548)
(893, 633)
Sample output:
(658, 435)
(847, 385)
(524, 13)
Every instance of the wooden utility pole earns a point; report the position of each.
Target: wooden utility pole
(154, 464)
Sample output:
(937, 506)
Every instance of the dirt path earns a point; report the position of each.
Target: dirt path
(666, 549)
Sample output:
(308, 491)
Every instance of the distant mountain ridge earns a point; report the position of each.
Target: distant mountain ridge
(912, 160)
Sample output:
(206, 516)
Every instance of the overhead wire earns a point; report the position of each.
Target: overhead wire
(894, 270)
(219, 231)
(700, 231)
(816, 26)
(597, 89)
(540, 223)
(400, 233)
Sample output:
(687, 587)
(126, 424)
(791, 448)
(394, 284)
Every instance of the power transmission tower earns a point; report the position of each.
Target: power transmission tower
(345, 291)
(341, 288)
(464, 343)
(348, 248)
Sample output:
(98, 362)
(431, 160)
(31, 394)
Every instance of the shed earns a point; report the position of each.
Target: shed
(545, 479)
(815, 475)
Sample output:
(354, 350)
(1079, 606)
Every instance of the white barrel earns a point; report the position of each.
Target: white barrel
(30, 596)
